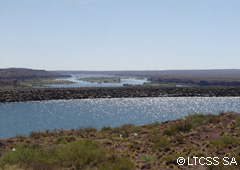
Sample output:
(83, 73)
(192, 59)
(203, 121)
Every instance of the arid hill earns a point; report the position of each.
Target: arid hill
(10, 76)
(217, 77)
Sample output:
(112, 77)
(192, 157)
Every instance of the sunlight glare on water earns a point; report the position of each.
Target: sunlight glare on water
(23, 117)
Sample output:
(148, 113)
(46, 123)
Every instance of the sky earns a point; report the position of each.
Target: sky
(120, 34)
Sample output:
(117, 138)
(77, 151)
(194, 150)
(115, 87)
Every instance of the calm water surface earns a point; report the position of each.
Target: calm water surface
(23, 117)
(81, 83)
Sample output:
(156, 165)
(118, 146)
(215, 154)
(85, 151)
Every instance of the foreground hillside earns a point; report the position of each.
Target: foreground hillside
(153, 146)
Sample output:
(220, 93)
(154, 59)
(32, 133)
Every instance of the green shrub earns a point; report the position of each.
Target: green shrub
(172, 159)
(42, 164)
(127, 127)
(237, 122)
(180, 140)
(137, 128)
(160, 142)
(88, 130)
(64, 140)
(210, 118)
(107, 142)
(153, 125)
(106, 128)
(119, 164)
(224, 141)
(182, 126)
(36, 135)
(124, 130)
(198, 119)
(146, 158)
(23, 156)
(117, 130)
(80, 154)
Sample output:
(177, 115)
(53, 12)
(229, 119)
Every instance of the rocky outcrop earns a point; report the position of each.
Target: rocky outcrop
(19, 95)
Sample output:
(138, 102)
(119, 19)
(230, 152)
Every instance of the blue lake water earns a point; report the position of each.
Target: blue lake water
(23, 117)
(81, 83)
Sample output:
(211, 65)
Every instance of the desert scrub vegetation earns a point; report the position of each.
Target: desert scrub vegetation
(191, 121)
(160, 142)
(151, 146)
(82, 154)
(175, 128)
(198, 119)
(146, 158)
(237, 122)
(225, 141)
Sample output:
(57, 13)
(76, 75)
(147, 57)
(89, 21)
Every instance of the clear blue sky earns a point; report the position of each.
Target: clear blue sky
(120, 34)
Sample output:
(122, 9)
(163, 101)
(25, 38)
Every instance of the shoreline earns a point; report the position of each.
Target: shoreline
(40, 94)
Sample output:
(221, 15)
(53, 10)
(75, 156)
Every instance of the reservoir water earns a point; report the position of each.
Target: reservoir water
(80, 83)
(23, 117)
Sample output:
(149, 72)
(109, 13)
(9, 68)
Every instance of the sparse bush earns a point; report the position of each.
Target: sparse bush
(21, 137)
(156, 124)
(106, 128)
(198, 119)
(80, 154)
(127, 127)
(125, 130)
(117, 130)
(172, 159)
(107, 142)
(24, 156)
(89, 129)
(119, 164)
(180, 140)
(84, 154)
(182, 126)
(137, 128)
(160, 142)
(84, 131)
(64, 140)
(36, 135)
(146, 158)
(237, 122)
(224, 141)
(210, 118)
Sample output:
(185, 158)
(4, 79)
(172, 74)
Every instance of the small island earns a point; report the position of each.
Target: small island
(101, 79)
(41, 82)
